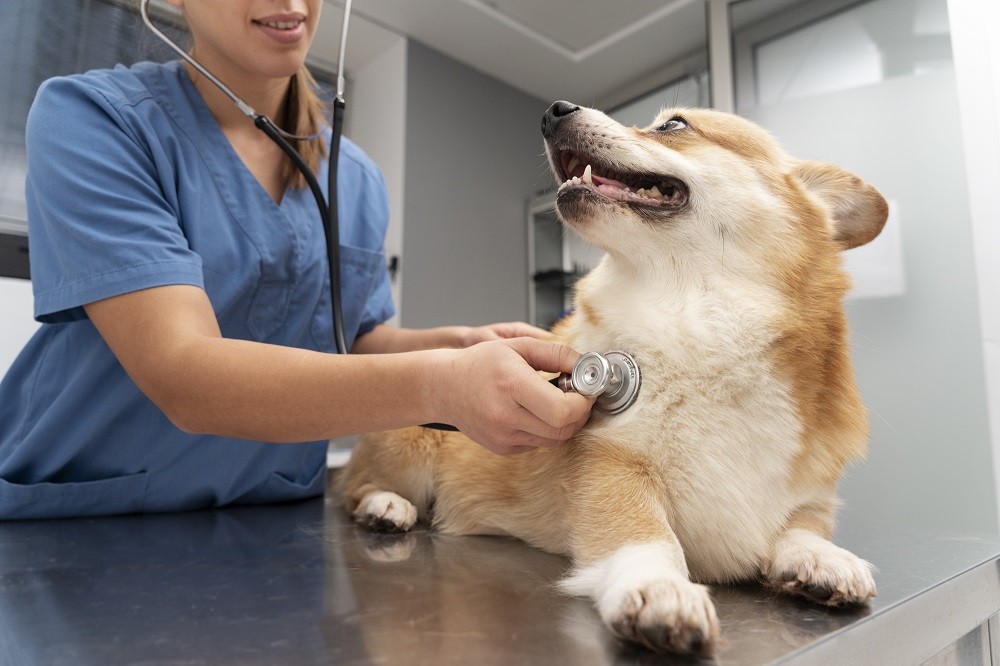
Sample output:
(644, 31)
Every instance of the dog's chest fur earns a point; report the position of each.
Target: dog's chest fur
(712, 416)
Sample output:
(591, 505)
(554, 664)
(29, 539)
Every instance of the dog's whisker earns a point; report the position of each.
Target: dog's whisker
(882, 418)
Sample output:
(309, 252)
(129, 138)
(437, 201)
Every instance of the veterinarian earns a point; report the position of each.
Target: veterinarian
(179, 271)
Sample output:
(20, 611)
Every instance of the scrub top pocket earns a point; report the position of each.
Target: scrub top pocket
(279, 488)
(360, 272)
(269, 309)
(104, 497)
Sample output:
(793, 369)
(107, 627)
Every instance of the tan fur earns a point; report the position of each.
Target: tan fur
(726, 467)
(615, 494)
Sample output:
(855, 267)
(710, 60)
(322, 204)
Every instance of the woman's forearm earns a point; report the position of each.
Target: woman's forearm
(169, 342)
(280, 394)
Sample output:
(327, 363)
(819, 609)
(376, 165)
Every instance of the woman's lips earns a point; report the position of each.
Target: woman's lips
(281, 30)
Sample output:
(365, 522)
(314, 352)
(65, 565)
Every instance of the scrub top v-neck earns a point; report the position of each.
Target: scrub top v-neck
(132, 185)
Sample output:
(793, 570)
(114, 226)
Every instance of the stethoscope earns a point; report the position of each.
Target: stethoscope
(612, 378)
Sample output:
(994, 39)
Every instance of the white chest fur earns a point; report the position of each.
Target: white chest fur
(711, 414)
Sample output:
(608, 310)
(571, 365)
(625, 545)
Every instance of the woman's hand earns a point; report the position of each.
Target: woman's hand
(493, 393)
(385, 338)
(504, 331)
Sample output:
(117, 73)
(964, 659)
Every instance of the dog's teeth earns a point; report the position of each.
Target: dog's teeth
(641, 192)
(655, 192)
(573, 163)
(587, 178)
(576, 180)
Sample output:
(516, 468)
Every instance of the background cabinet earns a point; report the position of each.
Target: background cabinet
(557, 258)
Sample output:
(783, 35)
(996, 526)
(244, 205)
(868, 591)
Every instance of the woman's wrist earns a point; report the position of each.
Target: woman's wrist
(456, 337)
(433, 383)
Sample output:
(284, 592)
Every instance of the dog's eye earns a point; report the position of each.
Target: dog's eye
(673, 124)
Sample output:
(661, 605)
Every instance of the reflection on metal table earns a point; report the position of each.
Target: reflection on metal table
(301, 584)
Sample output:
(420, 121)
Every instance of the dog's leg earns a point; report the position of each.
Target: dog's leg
(388, 482)
(803, 561)
(628, 559)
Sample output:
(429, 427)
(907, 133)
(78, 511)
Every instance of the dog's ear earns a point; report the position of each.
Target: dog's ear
(859, 210)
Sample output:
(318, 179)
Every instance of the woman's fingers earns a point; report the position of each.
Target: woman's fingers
(502, 402)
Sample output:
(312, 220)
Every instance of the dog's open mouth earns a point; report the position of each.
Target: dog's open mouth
(657, 191)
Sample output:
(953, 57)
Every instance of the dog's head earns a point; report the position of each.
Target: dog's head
(703, 191)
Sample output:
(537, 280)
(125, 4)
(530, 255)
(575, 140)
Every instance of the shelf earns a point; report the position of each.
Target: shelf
(556, 278)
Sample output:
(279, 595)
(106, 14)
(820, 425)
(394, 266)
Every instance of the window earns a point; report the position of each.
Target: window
(40, 39)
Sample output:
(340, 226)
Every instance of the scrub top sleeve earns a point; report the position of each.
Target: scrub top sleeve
(99, 223)
(379, 307)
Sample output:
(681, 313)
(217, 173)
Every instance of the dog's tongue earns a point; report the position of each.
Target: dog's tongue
(611, 188)
(601, 180)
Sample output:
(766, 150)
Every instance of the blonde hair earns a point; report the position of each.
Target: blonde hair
(304, 114)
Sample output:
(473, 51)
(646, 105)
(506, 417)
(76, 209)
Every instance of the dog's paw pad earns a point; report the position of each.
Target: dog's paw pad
(671, 614)
(822, 572)
(383, 511)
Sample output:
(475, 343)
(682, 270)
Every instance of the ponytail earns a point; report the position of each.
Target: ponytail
(305, 115)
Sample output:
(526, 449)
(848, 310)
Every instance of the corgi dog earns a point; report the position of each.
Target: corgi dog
(722, 278)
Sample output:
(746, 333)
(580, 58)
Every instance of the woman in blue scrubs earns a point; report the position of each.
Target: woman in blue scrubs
(180, 273)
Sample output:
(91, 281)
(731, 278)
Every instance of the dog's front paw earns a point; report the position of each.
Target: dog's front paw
(667, 614)
(808, 565)
(384, 511)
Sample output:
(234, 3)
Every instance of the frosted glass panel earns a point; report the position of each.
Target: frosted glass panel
(859, 46)
(690, 90)
(835, 55)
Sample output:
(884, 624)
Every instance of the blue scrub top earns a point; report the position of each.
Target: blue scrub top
(131, 185)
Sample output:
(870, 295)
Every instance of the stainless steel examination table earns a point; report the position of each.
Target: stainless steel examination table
(300, 584)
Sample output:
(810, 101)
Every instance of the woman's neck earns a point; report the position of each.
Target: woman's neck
(261, 157)
(266, 96)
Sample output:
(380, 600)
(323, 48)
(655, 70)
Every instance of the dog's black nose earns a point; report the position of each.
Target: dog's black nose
(556, 113)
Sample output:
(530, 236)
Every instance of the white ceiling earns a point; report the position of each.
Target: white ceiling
(587, 51)
(594, 52)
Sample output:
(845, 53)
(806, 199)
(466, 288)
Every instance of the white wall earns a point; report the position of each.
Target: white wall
(474, 158)
(375, 119)
(16, 322)
(975, 29)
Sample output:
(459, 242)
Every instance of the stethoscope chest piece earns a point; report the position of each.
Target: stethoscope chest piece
(614, 379)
